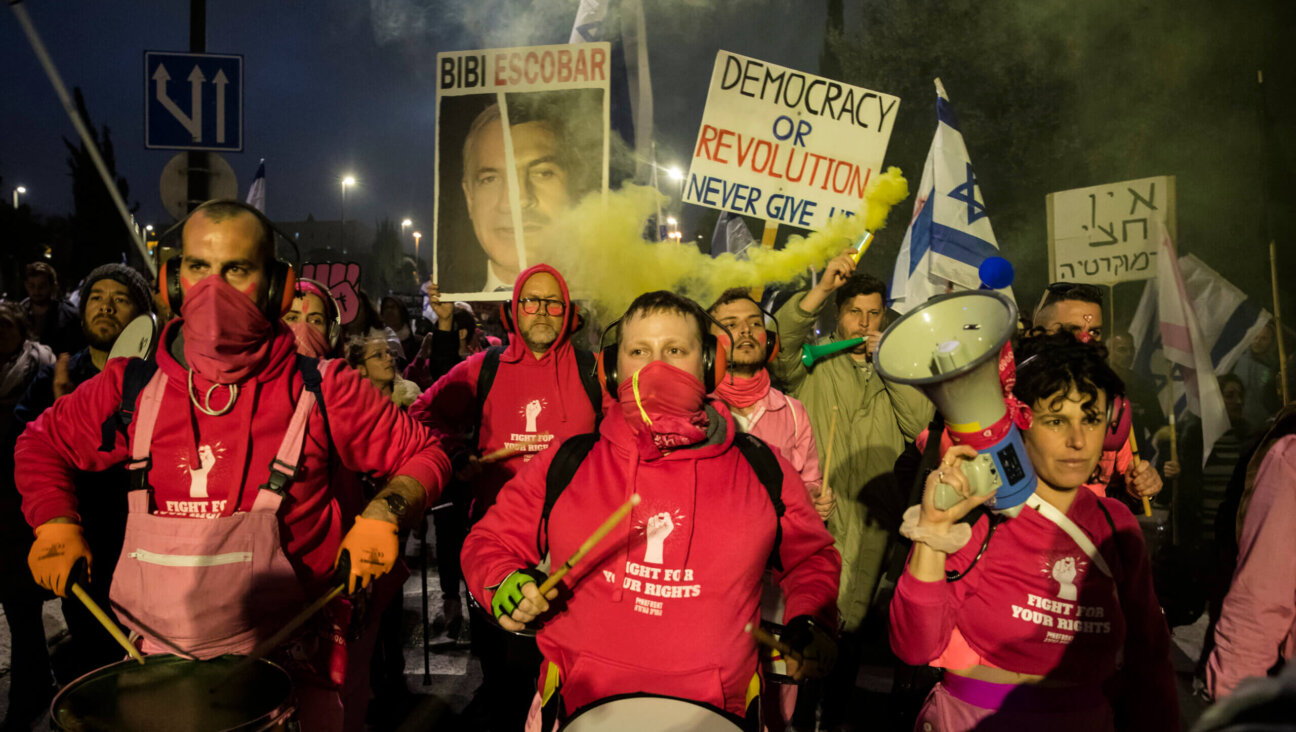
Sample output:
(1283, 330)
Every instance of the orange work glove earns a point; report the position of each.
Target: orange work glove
(373, 549)
(57, 549)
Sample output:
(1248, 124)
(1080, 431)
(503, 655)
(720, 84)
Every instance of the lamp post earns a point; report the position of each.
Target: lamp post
(347, 180)
(17, 192)
(417, 235)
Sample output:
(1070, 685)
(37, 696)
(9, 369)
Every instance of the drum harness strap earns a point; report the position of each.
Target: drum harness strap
(140, 373)
(567, 460)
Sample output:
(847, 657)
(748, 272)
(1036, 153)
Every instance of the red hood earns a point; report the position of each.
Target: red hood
(517, 348)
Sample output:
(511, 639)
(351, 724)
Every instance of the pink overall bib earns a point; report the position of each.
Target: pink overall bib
(202, 588)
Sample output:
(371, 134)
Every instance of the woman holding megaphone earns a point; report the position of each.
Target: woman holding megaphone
(1047, 620)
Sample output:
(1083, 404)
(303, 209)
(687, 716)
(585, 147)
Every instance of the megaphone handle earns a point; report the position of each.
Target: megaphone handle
(946, 497)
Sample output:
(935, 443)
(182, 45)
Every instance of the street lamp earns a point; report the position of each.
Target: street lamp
(417, 235)
(675, 173)
(347, 180)
(17, 191)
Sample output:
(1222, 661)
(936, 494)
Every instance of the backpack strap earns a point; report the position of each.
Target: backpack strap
(485, 378)
(287, 460)
(567, 460)
(588, 368)
(765, 463)
(137, 375)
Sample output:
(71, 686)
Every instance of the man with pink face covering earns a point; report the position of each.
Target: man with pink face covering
(660, 606)
(541, 391)
(229, 441)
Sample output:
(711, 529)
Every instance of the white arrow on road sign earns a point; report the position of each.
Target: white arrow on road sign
(191, 123)
(220, 81)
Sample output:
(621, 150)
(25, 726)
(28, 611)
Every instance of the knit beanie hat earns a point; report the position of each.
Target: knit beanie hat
(135, 283)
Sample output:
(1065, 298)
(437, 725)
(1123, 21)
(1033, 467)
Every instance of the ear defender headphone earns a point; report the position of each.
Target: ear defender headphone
(280, 275)
(715, 362)
(1120, 417)
(332, 314)
(575, 323)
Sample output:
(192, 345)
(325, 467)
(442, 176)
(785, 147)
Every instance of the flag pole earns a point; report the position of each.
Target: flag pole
(1282, 351)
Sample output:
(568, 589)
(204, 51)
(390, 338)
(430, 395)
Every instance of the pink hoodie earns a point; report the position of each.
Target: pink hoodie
(1257, 626)
(533, 402)
(661, 614)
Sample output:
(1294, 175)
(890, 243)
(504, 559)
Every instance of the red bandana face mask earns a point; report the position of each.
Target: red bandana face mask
(227, 337)
(742, 392)
(663, 407)
(310, 342)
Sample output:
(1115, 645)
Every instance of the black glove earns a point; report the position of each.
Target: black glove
(816, 645)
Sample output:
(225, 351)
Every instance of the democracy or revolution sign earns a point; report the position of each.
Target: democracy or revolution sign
(786, 146)
(521, 136)
(1104, 234)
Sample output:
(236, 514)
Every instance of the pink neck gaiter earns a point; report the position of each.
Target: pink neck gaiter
(663, 406)
(227, 337)
(743, 391)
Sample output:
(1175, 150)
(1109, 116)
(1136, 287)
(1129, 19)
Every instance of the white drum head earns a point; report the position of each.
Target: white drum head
(649, 714)
(138, 339)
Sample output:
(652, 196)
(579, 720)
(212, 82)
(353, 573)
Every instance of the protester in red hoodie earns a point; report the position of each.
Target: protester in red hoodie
(536, 398)
(660, 607)
(204, 433)
(1046, 620)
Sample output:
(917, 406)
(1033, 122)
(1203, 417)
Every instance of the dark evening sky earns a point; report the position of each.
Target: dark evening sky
(333, 87)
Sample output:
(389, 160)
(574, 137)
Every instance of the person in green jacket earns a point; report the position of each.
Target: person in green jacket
(873, 422)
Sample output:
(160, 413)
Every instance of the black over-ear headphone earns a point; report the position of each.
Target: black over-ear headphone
(280, 274)
(715, 361)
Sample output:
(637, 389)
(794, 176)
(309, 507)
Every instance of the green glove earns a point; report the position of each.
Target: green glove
(509, 593)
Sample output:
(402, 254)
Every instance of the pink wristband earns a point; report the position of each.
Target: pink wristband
(950, 542)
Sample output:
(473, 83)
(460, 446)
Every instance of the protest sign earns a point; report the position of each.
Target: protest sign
(786, 146)
(521, 136)
(343, 282)
(1103, 234)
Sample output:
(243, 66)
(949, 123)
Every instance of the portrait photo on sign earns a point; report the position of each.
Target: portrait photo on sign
(556, 140)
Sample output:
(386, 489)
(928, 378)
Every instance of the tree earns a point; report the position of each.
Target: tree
(98, 234)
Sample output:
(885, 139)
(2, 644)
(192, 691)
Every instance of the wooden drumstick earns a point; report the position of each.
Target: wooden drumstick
(501, 454)
(263, 648)
(832, 438)
(1133, 445)
(593, 539)
(767, 639)
(106, 622)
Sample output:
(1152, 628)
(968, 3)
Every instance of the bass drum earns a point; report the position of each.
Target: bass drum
(650, 714)
(173, 694)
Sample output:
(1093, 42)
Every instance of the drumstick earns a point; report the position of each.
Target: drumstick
(500, 454)
(106, 622)
(593, 539)
(263, 648)
(1133, 445)
(767, 639)
(832, 437)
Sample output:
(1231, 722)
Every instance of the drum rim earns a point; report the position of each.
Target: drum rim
(282, 710)
(732, 718)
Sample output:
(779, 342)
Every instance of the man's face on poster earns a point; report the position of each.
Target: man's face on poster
(542, 189)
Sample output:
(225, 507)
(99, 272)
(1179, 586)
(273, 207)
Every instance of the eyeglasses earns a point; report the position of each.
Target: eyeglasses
(531, 306)
(383, 355)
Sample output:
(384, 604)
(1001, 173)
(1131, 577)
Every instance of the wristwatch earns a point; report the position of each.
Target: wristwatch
(397, 504)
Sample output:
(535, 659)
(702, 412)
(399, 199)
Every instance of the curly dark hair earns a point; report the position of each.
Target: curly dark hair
(1048, 366)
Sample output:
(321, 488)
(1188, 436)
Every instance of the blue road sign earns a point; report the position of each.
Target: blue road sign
(193, 101)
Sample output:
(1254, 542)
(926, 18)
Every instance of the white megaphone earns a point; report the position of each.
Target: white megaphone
(949, 347)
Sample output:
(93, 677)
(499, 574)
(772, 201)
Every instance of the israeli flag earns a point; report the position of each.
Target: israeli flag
(950, 233)
(731, 235)
(256, 192)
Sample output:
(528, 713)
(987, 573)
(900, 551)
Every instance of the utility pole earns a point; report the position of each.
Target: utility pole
(199, 164)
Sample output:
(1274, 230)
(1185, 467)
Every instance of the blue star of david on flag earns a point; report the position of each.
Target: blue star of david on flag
(949, 235)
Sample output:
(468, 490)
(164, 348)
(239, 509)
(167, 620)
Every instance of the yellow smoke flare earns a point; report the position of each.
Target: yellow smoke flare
(599, 248)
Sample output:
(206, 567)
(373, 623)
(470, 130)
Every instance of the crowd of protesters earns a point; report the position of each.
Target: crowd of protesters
(760, 489)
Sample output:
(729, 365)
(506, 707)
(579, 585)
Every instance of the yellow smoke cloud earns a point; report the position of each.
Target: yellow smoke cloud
(599, 248)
